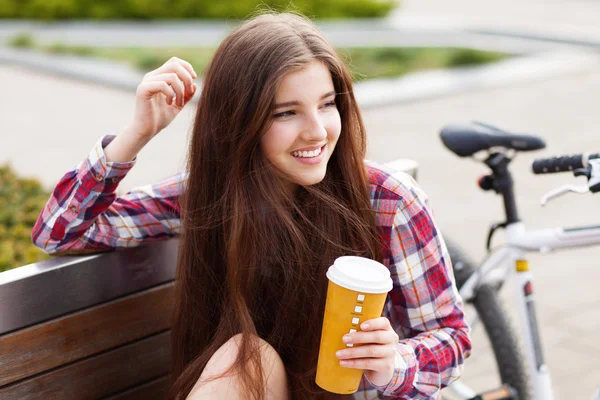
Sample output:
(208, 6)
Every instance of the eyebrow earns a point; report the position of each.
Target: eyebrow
(297, 103)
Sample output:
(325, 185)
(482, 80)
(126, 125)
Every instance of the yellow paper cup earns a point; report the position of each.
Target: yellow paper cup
(356, 292)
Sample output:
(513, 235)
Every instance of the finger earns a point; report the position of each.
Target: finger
(372, 364)
(186, 65)
(376, 323)
(172, 79)
(369, 351)
(183, 74)
(170, 61)
(379, 337)
(176, 66)
(153, 87)
(190, 95)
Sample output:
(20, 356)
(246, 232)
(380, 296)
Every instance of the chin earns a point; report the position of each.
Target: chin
(309, 181)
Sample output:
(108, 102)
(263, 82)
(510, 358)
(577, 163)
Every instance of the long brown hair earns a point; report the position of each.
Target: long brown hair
(253, 256)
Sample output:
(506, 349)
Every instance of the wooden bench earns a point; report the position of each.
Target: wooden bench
(88, 327)
(92, 327)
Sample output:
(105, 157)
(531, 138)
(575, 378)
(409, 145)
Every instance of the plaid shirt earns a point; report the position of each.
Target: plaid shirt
(424, 307)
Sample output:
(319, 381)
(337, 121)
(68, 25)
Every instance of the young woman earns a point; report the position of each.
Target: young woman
(276, 189)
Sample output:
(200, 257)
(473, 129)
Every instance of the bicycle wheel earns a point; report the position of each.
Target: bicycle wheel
(487, 308)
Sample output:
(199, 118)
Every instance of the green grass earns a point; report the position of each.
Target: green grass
(385, 62)
(365, 63)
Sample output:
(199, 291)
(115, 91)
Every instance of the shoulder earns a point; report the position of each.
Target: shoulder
(391, 189)
(400, 208)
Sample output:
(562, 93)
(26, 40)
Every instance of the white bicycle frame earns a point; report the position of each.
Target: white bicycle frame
(497, 269)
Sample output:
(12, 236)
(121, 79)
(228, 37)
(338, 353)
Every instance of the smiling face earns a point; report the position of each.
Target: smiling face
(305, 126)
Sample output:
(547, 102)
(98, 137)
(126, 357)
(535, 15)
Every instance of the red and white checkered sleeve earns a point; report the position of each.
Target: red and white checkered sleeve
(425, 308)
(84, 213)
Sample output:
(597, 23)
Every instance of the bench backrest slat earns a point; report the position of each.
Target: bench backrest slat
(63, 340)
(51, 288)
(98, 376)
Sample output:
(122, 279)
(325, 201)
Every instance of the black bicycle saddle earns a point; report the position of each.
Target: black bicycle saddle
(466, 140)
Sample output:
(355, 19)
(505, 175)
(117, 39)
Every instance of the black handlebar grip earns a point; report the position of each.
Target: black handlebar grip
(557, 164)
(560, 164)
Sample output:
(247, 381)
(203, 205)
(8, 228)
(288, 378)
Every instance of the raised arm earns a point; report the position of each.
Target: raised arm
(84, 214)
(427, 311)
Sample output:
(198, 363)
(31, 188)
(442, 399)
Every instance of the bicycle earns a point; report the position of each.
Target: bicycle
(524, 376)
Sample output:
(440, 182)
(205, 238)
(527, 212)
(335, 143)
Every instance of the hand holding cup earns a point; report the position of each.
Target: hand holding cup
(377, 352)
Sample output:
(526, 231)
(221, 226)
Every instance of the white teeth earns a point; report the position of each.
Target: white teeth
(307, 154)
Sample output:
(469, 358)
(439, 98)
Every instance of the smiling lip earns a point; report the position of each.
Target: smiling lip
(310, 148)
(312, 160)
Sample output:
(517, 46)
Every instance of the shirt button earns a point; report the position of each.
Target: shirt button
(73, 209)
(98, 177)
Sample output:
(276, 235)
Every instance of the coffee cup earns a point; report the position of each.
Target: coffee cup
(356, 292)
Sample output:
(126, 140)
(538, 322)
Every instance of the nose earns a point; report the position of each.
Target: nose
(314, 128)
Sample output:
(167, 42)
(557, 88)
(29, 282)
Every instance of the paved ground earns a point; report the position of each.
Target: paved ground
(566, 18)
(400, 31)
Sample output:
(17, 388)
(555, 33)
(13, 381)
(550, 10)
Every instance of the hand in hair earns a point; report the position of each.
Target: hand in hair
(375, 354)
(160, 96)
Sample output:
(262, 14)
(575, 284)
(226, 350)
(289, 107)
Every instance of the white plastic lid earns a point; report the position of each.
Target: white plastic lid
(360, 274)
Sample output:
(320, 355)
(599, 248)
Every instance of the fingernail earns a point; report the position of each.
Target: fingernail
(346, 339)
(364, 326)
(344, 363)
(339, 353)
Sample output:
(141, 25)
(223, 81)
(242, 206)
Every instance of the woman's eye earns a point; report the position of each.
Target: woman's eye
(284, 114)
(330, 104)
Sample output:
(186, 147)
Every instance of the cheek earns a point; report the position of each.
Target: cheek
(335, 126)
(275, 141)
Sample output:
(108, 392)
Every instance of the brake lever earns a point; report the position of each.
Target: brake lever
(591, 171)
(562, 190)
(594, 178)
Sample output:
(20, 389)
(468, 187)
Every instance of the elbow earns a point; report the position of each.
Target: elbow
(462, 350)
(38, 238)
(45, 238)
(463, 342)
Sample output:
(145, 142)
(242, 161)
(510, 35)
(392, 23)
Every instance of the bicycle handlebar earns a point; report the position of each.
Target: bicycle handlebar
(562, 164)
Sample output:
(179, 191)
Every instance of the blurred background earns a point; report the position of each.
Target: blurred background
(69, 69)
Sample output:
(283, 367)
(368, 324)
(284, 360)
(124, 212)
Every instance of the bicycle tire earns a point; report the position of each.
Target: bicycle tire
(497, 325)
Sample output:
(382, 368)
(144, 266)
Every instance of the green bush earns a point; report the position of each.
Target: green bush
(50, 9)
(149, 62)
(177, 9)
(22, 41)
(8, 8)
(468, 57)
(21, 201)
(61, 48)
